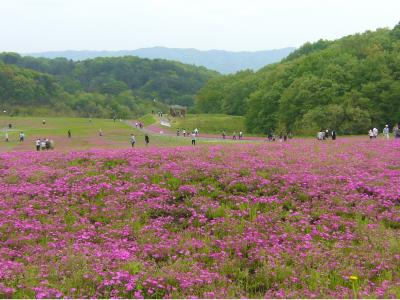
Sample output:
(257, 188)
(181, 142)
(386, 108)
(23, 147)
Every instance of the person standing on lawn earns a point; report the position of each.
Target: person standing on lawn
(146, 139)
(133, 140)
(21, 136)
(193, 138)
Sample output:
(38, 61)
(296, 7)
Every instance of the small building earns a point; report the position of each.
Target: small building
(177, 111)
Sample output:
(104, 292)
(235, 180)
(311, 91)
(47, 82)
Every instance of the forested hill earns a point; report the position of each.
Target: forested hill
(101, 86)
(348, 84)
(219, 60)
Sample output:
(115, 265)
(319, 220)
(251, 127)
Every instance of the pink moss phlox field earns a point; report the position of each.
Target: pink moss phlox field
(275, 220)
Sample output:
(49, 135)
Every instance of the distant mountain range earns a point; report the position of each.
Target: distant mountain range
(222, 61)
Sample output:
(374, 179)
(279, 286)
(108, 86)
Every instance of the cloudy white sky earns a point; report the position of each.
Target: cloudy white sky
(49, 25)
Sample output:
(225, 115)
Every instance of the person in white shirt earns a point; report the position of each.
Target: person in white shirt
(370, 134)
(133, 140)
(386, 132)
(43, 144)
(375, 132)
(21, 136)
(193, 139)
(6, 137)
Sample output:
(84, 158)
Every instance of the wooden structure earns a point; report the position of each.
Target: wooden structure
(177, 111)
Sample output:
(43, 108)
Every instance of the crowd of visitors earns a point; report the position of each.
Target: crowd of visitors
(374, 132)
(325, 134)
(283, 136)
(44, 144)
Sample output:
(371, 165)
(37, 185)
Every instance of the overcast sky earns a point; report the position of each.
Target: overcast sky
(48, 25)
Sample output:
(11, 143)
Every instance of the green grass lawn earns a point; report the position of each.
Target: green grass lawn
(148, 119)
(210, 123)
(85, 134)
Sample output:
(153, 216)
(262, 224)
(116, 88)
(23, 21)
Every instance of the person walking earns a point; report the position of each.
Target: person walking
(223, 135)
(37, 143)
(234, 135)
(146, 139)
(196, 131)
(184, 132)
(177, 132)
(386, 131)
(100, 132)
(44, 122)
(333, 135)
(284, 137)
(133, 140)
(69, 133)
(6, 137)
(193, 138)
(240, 135)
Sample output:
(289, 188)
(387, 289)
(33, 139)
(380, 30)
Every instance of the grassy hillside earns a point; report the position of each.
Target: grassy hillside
(210, 123)
(350, 85)
(102, 87)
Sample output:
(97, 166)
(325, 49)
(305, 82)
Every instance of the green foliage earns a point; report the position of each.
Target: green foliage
(228, 94)
(348, 85)
(101, 87)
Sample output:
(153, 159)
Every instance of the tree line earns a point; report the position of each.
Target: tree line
(121, 86)
(348, 85)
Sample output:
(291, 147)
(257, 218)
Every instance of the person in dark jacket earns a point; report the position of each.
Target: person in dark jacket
(146, 139)
(333, 135)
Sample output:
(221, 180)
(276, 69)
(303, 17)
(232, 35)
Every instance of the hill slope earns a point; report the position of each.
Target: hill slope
(115, 84)
(219, 60)
(349, 85)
